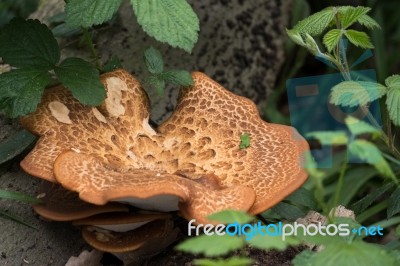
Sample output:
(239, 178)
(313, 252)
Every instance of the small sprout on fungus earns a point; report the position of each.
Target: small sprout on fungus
(244, 141)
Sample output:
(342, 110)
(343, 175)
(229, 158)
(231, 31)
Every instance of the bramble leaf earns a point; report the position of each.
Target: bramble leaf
(153, 60)
(231, 216)
(359, 38)
(329, 137)
(170, 21)
(368, 22)
(394, 203)
(369, 153)
(393, 105)
(21, 90)
(393, 81)
(354, 93)
(358, 127)
(86, 13)
(177, 77)
(83, 79)
(332, 38)
(350, 14)
(268, 242)
(221, 245)
(15, 144)
(316, 23)
(28, 43)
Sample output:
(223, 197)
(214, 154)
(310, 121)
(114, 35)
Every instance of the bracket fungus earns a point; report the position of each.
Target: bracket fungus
(192, 162)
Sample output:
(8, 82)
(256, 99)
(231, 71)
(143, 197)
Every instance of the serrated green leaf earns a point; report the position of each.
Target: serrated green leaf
(288, 211)
(393, 81)
(170, 21)
(153, 60)
(368, 22)
(28, 44)
(359, 39)
(12, 195)
(365, 202)
(268, 242)
(394, 203)
(316, 23)
(311, 44)
(231, 216)
(370, 154)
(86, 13)
(304, 258)
(393, 105)
(358, 127)
(15, 144)
(244, 141)
(356, 253)
(157, 83)
(234, 261)
(302, 197)
(211, 246)
(355, 93)
(329, 137)
(177, 77)
(332, 38)
(21, 90)
(83, 79)
(349, 15)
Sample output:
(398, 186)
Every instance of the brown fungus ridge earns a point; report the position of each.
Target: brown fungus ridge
(194, 155)
(59, 204)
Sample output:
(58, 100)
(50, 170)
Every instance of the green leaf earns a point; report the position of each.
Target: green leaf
(329, 137)
(368, 22)
(153, 60)
(369, 153)
(170, 21)
(332, 38)
(356, 253)
(28, 44)
(15, 145)
(393, 81)
(311, 44)
(296, 37)
(210, 246)
(11, 195)
(365, 202)
(112, 64)
(359, 39)
(304, 258)
(302, 197)
(234, 261)
(177, 77)
(156, 82)
(288, 212)
(231, 216)
(394, 203)
(350, 15)
(83, 79)
(359, 127)
(316, 23)
(393, 105)
(65, 31)
(268, 242)
(355, 93)
(244, 141)
(21, 90)
(86, 13)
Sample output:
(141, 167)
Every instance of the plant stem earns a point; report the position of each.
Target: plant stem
(89, 43)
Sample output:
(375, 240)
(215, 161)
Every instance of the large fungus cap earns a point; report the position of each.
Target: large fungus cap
(111, 153)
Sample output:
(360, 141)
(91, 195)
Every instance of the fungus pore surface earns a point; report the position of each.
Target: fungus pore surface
(111, 153)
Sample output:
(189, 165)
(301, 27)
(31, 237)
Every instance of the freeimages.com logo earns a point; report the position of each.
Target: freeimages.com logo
(281, 229)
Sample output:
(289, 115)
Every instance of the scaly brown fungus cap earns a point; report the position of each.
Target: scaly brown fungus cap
(111, 152)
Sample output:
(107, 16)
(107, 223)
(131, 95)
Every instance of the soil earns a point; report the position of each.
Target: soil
(240, 45)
